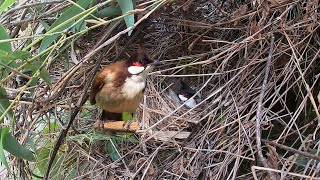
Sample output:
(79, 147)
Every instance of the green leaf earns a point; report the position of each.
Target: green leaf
(108, 12)
(44, 74)
(9, 58)
(4, 104)
(43, 155)
(69, 13)
(21, 54)
(45, 25)
(3, 159)
(112, 151)
(5, 5)
(5, 46)
(33, 66)
(127, 5)
(11, 145)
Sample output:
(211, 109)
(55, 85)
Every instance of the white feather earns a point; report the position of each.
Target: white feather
(133, 86)
(137, 82)
(182, 98)
(135, 69)
(191, 103)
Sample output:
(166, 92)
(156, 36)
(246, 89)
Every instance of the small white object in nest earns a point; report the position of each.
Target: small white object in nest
(191, 102)
(182, 92)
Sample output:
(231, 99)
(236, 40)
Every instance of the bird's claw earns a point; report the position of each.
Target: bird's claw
(126, 125)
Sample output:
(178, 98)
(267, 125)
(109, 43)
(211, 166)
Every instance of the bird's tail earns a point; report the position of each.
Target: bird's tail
(110, 116)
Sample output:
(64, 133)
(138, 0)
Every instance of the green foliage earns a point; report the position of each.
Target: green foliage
(112, 151)
(44, 74)
(3, 159)
(5, 46)
(53, 127)
(127, 5)
(8, 60)
(4, 104)
(5, 4)
(69, 13)
(18, 54)
(94, 136)
(11, 145)
(43, 155)
(108, 12)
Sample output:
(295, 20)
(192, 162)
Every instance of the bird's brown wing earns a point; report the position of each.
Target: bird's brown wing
(113, 75)
(97, 84)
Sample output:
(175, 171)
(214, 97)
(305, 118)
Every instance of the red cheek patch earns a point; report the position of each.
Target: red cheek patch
(137, 64)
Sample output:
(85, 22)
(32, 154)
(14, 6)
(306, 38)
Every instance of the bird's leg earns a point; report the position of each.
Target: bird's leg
(128, 123)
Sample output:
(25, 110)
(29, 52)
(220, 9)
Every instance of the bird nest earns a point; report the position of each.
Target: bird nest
(255, 65)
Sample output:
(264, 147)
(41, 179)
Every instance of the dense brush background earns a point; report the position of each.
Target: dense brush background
(255, 64)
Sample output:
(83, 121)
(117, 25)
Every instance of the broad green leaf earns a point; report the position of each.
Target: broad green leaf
(5, 46)
(4, 104)
(3, 54)
(112, 151)
(79, 27)
(69, 13)
(8, 58)
(31, 144)
(127, 5)
(3, 158)
(44, 74)
(108, 12)
(21, 54)
(6, 4)
(45, 25)
(43, 155)
(33, 66)
(11, 145)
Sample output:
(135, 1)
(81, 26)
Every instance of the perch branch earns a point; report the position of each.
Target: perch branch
(117, 126)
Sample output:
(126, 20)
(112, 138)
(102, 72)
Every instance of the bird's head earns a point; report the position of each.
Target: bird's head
(140, 63)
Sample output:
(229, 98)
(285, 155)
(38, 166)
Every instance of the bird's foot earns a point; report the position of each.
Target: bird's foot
(126, 125)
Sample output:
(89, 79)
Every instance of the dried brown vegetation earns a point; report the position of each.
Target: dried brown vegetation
(255, 65)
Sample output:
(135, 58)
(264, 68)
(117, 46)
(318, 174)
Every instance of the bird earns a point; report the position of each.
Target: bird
(182, 92)
(119, 87)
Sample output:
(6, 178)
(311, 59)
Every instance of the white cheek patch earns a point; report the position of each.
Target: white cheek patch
(135, 69)
(182, 98)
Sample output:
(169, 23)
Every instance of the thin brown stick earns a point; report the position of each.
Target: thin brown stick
(259, 111)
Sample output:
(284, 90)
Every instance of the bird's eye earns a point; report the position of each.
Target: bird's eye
(141, 61)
